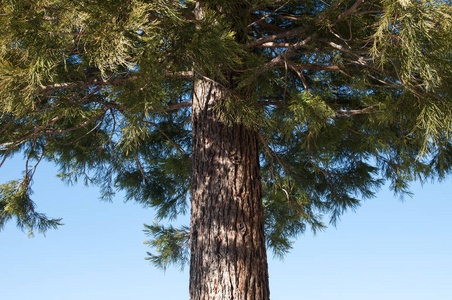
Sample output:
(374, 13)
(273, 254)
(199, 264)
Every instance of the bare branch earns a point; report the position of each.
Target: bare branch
(367, 12)
(96, 81)
(274, 37)
(300, 75)
(6, 126)
(350, 10)
(187, 75)
(176, 106)
(274, 45)
(280, 59)
(364, 61)
(312, 67)
(351, 112)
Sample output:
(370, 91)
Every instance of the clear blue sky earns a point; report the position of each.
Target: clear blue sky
(387, 250)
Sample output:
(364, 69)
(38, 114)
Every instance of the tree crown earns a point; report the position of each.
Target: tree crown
(344, 95)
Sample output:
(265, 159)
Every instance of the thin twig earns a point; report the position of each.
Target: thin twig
(270, 151)
(350, 10)
(178, 147)
(141, 170)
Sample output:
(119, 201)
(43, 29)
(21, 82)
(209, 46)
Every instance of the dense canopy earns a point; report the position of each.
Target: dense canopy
(344, 95)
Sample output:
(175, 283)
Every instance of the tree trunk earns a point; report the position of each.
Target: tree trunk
(228, 255)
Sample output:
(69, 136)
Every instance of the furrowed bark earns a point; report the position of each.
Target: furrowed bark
(228, 254)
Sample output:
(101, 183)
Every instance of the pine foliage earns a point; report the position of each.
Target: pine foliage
(346, 95)
(170, 243)
(15, 202)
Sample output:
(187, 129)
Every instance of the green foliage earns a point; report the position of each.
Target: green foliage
(287, 214)
(346, 95)
(171, 245)
(15, 203)
(412, 34)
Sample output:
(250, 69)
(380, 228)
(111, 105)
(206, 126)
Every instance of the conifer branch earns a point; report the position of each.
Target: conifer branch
(81, 125)
(311, 67)
(261, 22)
(140, 167)
(281, 58)
(35, 167)
(10, 122)
(274, 45)
(110, 139)
(271, 152)
(339, 113)
(364, 61)
(185, 75)
(86, 134)
(300, 75)
(176, 145)
(357, 132)
(175, 106)
(42, 130)
(351, 112)
(350, 10)
(365, 12)
(87, 83)
(26, 137)
(274, 37)
(149, 111)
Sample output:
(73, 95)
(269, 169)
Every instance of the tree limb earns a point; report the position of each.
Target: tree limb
(96, 81)
(350, 10)
(187, 75)
(351, 112)
(274, 37)
(312, 67)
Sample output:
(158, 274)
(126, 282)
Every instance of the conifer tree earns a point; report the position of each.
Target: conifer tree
(258, 116)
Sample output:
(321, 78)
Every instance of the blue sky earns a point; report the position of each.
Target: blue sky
(387, 250)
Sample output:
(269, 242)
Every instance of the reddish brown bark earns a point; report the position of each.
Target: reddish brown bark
(228, 254)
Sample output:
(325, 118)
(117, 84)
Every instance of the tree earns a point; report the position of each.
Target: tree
(298, 109)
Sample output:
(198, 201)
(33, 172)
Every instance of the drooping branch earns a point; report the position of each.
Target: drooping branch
(81, 125)
(176, 145)
(45, 130)
(273, 155)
